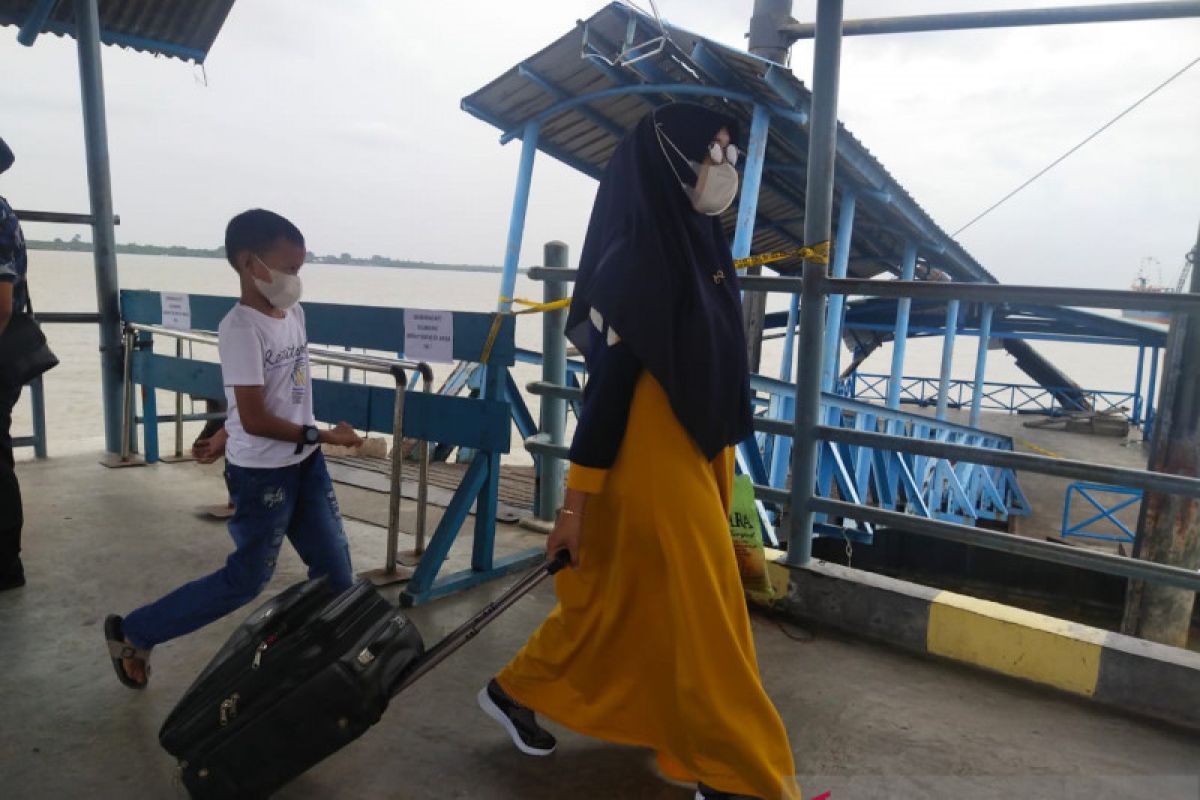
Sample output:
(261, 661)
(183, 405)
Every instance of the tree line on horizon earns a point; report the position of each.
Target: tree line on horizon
(78, 244)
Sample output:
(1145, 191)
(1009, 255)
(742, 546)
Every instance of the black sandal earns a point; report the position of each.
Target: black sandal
(119, 649)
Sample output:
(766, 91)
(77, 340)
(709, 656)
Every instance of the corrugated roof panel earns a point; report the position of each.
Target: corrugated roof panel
(183, 29)
(881, 226)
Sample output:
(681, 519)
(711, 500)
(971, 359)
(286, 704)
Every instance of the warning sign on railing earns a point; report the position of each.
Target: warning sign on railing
(176, 311)
(429, 335)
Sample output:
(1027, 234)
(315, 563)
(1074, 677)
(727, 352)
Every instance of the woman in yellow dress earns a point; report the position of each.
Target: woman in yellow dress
(650, 643)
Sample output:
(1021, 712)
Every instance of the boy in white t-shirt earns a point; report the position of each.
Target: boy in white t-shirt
(274, 468)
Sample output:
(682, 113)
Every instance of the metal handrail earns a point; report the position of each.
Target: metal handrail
(990, 293)
(60, 217)
(1098, 561)
(873, 385)
(993, 293)
(1061, 467)
(318, 355)
(67, 317)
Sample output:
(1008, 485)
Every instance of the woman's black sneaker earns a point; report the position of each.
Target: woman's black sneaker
(520, 722)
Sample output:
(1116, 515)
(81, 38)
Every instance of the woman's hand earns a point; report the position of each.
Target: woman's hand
(565, 536)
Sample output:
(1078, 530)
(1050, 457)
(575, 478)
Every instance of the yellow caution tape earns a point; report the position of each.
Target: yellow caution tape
(530, 307)
(534, 307)
(818, 254)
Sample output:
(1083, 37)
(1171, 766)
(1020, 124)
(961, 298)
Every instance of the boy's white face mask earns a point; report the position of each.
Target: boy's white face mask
(716, 184)
(282, 290)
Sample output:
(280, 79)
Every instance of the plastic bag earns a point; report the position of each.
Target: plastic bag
(746, 531)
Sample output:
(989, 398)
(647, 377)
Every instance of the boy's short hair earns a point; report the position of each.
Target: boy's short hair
(256, 230)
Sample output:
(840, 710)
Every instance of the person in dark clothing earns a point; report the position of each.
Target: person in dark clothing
(13, 297)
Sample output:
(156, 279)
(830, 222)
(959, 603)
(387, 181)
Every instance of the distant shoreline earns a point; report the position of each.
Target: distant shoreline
(176, 251)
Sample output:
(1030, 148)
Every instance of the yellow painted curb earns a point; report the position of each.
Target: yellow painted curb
(1015, 642)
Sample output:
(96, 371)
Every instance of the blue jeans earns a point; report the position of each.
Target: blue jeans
(296, 502)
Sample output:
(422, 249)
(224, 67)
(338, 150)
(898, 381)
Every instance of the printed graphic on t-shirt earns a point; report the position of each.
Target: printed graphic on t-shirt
(293, 358)
(299, 385)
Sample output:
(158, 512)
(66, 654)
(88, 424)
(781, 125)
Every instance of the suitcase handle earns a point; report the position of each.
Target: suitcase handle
(469, 629)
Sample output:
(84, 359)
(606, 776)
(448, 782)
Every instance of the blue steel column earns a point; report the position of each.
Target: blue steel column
(837, 302)
(95, 131)
(756, 150)
(1151, 389)
(494, 377)
(1137, 386)
(985, 334)
(818, 213)
(789, 341)
(516, 221)
(908, 269)
(754, 303)
(947, 357)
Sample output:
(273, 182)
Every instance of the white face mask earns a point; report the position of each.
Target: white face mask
(283, 290)
(716, 187)
(716, 184)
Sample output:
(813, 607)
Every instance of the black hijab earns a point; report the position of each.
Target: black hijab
(6, 157)
(661, 275)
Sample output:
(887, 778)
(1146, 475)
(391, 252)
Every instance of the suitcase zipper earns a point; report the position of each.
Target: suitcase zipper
(229, 708)
(263, 645)
(258, 651)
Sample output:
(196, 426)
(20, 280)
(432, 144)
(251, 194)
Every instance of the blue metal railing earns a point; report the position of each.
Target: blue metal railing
(922, 485)
(37, 397)
(1087, 491)
(1014, 398)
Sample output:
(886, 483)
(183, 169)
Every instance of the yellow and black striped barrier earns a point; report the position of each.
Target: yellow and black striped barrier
(1135, 675)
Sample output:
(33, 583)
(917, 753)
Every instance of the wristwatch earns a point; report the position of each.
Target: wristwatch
(308, 435)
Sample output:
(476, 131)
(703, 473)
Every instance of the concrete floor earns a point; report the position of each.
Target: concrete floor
(864, 721)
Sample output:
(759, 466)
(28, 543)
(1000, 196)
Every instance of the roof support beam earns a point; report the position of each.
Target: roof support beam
(32, 26)
(559, 94)
(549, 149)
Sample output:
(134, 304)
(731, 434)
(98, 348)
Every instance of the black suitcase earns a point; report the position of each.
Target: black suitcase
(307, 673)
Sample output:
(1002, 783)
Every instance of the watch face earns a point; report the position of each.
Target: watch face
(311, 435)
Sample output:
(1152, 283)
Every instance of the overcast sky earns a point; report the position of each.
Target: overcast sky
(345, 117)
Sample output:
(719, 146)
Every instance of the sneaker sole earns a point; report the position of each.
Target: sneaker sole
(492, 710)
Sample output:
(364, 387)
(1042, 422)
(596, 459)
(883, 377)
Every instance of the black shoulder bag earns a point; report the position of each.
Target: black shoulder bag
(24, 353)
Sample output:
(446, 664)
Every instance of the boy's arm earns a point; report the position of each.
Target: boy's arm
(258, 421)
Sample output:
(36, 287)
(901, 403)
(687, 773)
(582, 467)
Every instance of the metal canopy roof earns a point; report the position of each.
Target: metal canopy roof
(583, 106)
(183, 29)
(550, 87)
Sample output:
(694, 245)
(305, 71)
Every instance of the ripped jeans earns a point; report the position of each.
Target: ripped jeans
(296, 502)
